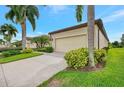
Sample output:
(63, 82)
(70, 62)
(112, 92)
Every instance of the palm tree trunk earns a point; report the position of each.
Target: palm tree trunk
(9, 40)
(91, 35)
(23, 25)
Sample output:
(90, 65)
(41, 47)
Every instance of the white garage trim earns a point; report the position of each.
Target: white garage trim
(70, 36)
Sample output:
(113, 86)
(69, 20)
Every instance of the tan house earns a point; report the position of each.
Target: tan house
(75, 37)
(29, 44)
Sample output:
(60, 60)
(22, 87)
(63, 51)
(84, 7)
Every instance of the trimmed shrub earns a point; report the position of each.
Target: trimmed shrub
(29, 50)
(106, 49)
(45, 49)
(99, 55)
(39, 49)
(10, 53)
(79, 58)
(49, 49)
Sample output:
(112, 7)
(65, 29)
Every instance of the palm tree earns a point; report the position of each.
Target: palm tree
(90, 16)
(21, 13)
(8, 31)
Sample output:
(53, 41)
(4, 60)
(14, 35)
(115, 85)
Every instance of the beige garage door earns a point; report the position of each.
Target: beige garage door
(70, 43)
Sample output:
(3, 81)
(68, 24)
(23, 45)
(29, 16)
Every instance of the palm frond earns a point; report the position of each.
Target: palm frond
(10, 15)
(79, 11)
(33, 10)
(32, 21)
(8, 31)
(19, 14)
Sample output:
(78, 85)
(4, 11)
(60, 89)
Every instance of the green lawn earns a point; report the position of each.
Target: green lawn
(111, 76)
(18, 57)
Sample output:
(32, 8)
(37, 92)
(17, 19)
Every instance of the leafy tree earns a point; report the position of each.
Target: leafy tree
(21, 13)
(90, 16)
(44, 40)
(36, 40)
(41, 41)
(110, 45)
(122, 40)
(115, 44)
(8, 31)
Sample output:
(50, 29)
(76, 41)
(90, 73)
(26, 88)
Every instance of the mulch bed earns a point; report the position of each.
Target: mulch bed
(54, 83)
(99, 66)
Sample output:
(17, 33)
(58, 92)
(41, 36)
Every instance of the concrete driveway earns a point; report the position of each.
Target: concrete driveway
(33, 71)
(56, 54)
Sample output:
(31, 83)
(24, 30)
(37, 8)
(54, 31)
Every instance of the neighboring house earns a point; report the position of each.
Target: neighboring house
(29, 44)
(76, 37)
(3, 46)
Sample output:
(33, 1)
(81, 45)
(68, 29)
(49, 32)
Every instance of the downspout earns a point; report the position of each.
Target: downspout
(98, 39)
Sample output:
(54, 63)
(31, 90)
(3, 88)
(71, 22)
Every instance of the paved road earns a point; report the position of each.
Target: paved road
(32, 71)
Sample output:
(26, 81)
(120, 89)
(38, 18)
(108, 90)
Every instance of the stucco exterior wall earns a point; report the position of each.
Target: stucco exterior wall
(96, 37)
(102, 40)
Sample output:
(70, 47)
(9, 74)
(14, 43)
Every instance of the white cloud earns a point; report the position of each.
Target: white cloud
(104, 12)
(55, 9)
(116, 36)
(114, 16)
(40, 33)
(18, 37)
(35, 34)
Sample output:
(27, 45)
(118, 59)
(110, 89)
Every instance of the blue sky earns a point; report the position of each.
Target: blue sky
(58, 17)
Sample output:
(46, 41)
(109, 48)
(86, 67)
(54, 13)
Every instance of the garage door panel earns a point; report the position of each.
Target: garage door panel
(69, 43)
